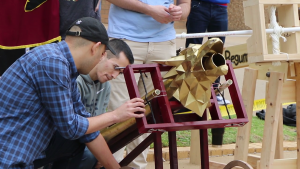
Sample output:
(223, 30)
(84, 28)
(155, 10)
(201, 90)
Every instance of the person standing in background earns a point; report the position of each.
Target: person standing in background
(71, 10)
(25, 25)
(148, 28)
(210, 16)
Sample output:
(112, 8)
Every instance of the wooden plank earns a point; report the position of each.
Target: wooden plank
(257, 43)
(216, 165)
(271, 57)
(282, 163)
(284, 57)
(271, 120)
(279, 139)
(252, 160)
(238, 55)
(288, 17)
(288, 91)
(195, 157)
(269, 2)
(264, 67)
(291, 71)
(243, 134)
(297, 65)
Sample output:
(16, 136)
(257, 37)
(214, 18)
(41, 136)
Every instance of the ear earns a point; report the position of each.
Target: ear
(95, 48)
(104, 55)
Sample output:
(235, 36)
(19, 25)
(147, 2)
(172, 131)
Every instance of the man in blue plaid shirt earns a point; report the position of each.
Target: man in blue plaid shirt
(39, 100)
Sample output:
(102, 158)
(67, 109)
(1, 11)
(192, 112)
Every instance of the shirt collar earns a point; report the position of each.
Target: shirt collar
(67, 54)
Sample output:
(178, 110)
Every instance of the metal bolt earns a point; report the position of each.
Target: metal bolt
(157, 91)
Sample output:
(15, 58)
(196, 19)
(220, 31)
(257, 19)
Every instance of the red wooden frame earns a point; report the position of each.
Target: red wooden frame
(166, 121)
(169, 123)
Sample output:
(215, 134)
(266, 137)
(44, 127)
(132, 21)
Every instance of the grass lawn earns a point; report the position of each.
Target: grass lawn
(257, 130)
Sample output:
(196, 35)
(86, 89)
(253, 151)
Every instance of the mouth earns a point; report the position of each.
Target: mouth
(107, 77)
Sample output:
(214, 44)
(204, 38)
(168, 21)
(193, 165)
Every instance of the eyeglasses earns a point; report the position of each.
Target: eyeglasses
(118, 68)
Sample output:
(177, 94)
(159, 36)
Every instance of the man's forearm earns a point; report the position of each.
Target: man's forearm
(100, 122)
(185, 7)
(101, 151)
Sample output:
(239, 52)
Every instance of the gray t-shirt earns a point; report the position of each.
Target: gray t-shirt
(71, 10)
(94, 95)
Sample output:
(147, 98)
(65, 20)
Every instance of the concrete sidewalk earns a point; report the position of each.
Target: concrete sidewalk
(223, 155)
(186, 164)
(227, 149)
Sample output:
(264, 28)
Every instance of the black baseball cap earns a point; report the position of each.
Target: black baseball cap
(93, 30)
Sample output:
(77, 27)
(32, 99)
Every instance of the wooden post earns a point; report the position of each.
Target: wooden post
(195, 157)
(279, 140)
(243, 135)
(273, 101)
(297, 66)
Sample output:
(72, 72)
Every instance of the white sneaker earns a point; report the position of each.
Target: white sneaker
(220, 100)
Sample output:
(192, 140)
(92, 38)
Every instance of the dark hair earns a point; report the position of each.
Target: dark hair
(119, 46)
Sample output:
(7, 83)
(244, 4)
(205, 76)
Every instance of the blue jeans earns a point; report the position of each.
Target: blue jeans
(88, 160)
(205, 16)
(66, 154)
(61, 153)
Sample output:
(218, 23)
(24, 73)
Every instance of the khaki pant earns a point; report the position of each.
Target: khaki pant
(143, 53)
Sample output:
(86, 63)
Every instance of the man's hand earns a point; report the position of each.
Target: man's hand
(175, 12)
(128, 109)
(97, 7)
(160, 14)
(98, 165)
(124, 112)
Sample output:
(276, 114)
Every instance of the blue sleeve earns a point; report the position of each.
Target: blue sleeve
(58, 96)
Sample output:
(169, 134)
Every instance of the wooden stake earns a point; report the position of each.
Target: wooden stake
(243, 135)
(273, 101)
(297, 66)
(279, 140)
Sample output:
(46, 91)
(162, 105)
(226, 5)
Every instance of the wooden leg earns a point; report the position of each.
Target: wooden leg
(195, 148)
(243, 135)
(158, 151)
(273, 101)
(297, 66)
(173, 150)
(138, 150)
(204, 145)
(204, 149)
(279, 141)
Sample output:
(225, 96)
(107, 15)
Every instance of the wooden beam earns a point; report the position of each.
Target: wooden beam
(264, 67)
(282, 163)
(288, 91)
(269, 2)
(279, 139)
(252, 160)
(273, 101)
(195, 157)
(243, 135)
(238, 55)
(297, 66)
(216, 165)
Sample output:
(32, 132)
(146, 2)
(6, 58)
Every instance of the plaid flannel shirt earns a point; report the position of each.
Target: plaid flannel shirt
(39, 95)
